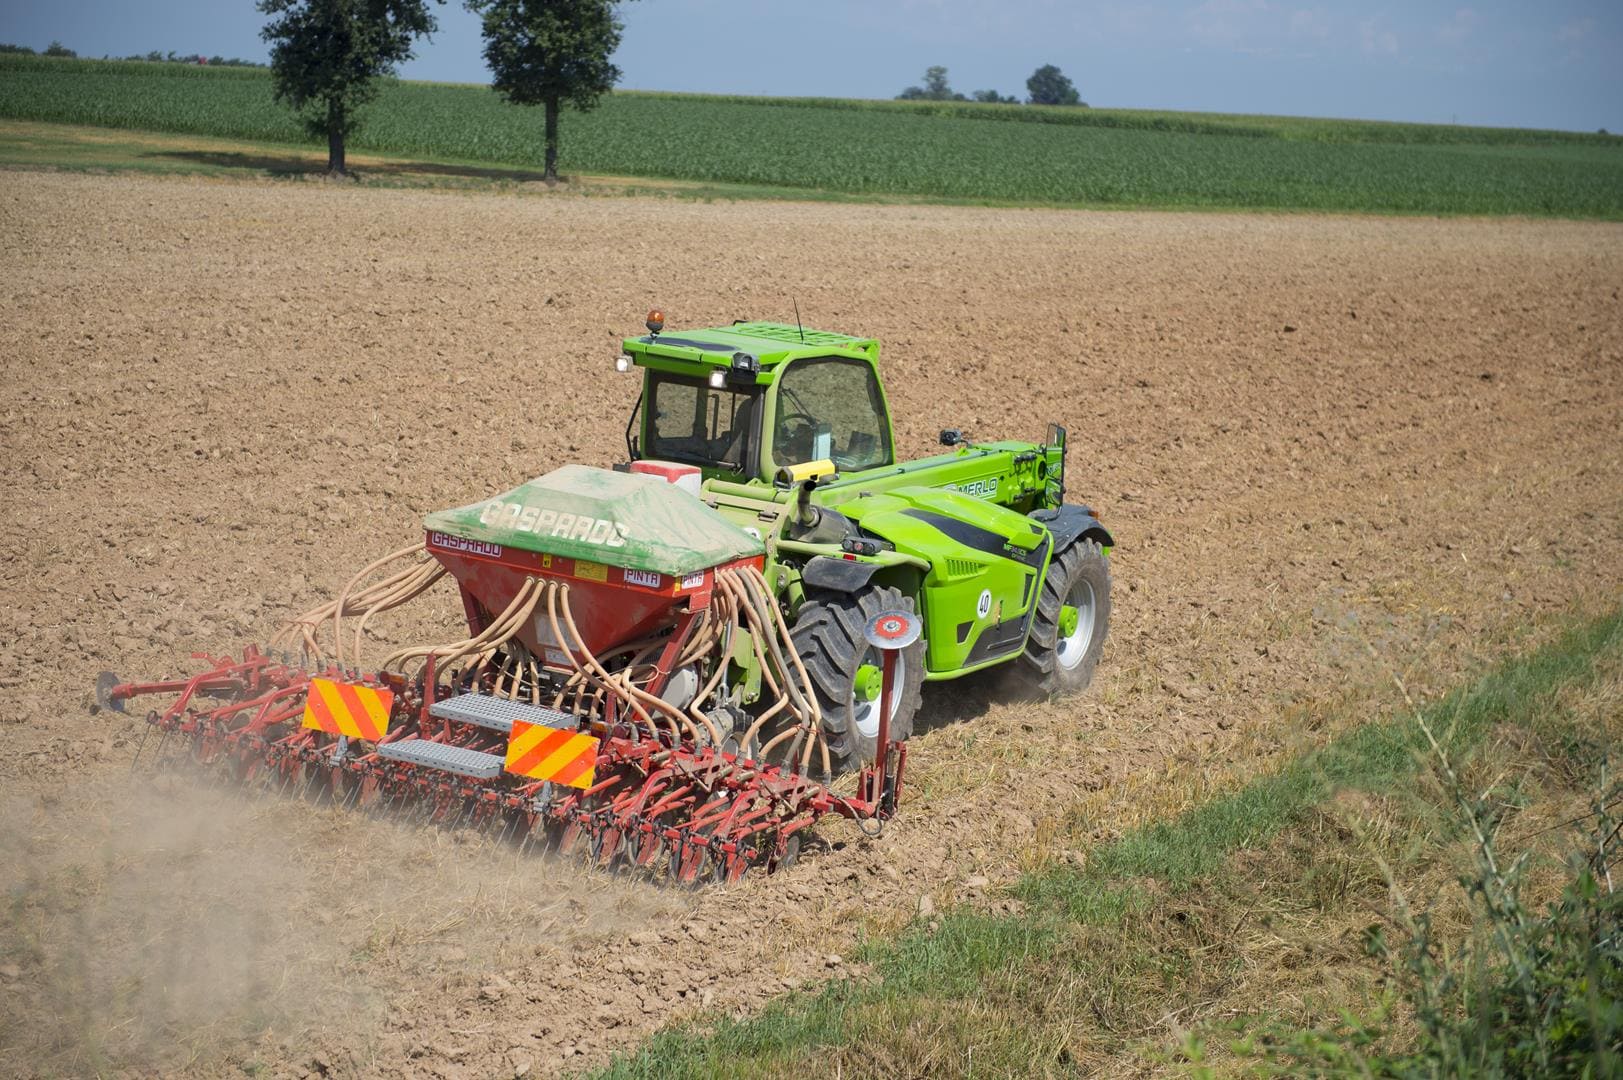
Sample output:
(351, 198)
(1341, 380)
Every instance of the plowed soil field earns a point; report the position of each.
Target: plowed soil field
(1332, 450)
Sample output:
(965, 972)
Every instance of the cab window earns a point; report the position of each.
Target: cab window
(693, 422)
(831, 407)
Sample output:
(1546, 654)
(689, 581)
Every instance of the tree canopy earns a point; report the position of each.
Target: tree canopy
(935, 88)
(326, 56)
(1049, 86)
(551, 53)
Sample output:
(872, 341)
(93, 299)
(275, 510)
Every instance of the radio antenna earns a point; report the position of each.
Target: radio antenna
(802, 329)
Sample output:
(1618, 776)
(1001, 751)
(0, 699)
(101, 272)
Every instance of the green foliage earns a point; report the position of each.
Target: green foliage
(935, 88)
(960, 151)
(551, 52)
(1048, 85)
(326, 56)
(543, 51)
(56, 48)
(1531, 993)
(992, 97)
(15, 50)
(171, 57)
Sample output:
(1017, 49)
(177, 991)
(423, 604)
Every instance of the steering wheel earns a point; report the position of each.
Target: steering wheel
(800, 440)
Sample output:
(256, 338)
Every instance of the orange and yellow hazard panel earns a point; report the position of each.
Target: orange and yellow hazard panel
(546, 753)
(339, 708)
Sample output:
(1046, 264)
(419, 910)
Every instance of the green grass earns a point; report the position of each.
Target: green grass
(29, 145)
(953, 151)
(1149, 925)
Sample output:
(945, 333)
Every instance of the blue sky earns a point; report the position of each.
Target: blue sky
(1557, 64)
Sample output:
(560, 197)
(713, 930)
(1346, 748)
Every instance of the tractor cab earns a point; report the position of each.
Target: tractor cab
(744, 402)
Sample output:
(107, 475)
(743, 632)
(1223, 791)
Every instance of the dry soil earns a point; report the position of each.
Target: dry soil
(1331, 450)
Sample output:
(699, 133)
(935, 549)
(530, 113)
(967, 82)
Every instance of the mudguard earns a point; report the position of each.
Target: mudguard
(838, 575)
(1070, 523)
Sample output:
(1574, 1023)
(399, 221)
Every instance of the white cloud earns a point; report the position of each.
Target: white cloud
(1575, 31)
(1458, 28)
(1376, 39)
(1225, 22)
(1310, 23)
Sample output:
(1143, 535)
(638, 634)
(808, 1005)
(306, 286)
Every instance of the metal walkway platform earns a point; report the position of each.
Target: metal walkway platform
(451, 759)
(498, 714)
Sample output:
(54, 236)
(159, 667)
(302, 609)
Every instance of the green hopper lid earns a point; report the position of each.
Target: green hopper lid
(629, 520)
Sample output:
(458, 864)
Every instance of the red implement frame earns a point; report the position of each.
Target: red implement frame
(697, 813)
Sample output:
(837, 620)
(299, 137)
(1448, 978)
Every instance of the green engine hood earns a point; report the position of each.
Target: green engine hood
(622, 519)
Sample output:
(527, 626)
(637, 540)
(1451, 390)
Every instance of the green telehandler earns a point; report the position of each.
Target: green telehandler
(790, 433)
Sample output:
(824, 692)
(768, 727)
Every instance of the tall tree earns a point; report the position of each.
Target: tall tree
(326, 56)
(1049, 86)
(935, 88)
(551, 53)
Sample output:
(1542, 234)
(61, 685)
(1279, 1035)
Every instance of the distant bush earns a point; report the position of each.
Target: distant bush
(172, 57)
(61, 51)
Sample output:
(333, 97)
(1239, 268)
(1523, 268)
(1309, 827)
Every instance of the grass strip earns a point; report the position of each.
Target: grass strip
(968, 963)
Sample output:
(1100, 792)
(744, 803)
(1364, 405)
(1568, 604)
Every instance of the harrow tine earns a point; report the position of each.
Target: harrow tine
(537, 839)
(305, 787)
(413, 807)
(347, 791)
(140, 746)
(390, 804)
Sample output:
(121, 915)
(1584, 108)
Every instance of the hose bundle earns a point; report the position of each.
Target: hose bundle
(742, 601)
(398, 588)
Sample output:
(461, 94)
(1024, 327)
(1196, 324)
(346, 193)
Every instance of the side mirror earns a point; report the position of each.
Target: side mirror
(951, 436)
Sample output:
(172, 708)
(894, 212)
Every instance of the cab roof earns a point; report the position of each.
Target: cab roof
(770, 343)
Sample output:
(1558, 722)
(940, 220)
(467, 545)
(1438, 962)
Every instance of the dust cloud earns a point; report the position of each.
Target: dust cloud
(171, 918)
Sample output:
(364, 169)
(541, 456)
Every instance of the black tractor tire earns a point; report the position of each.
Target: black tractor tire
(829, 636)
(1054, 664)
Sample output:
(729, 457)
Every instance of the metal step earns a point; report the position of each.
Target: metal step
(451, 759)
(498, 714)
